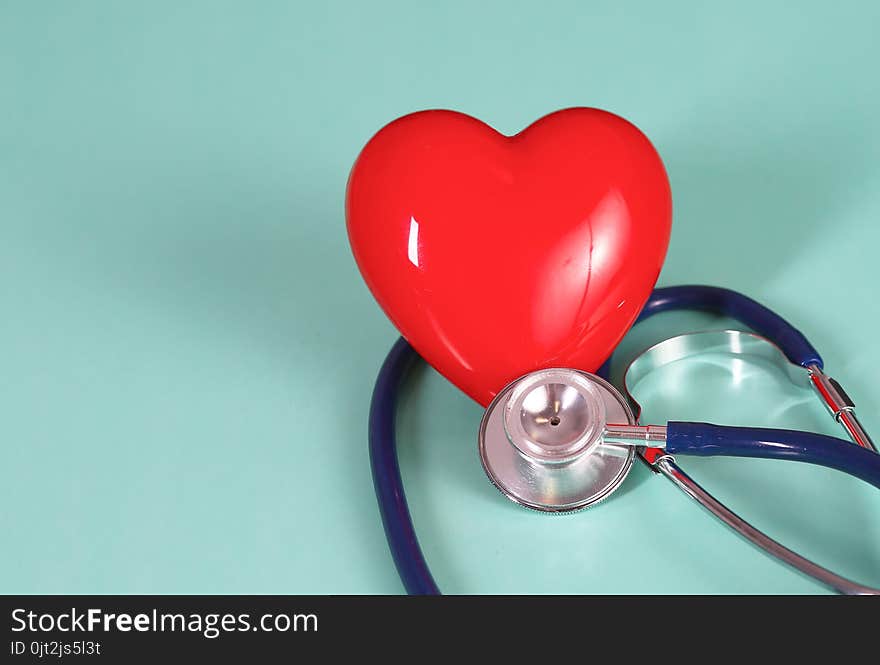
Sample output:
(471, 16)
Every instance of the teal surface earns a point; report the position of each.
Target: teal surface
(188, 349)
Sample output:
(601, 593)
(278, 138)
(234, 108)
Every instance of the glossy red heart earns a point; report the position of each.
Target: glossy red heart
(497, 255)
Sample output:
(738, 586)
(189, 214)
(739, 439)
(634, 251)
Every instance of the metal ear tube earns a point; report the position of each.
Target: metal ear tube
(740, 343)
(840, 406)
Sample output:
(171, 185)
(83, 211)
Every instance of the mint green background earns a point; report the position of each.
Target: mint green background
(187, 348)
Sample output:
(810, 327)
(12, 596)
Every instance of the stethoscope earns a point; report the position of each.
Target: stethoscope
(560, 440)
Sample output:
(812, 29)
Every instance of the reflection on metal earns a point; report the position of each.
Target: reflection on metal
(733, 342)
(680, 479)
(740, 343)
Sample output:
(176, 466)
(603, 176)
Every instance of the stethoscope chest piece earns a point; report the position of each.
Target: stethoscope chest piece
(541, 440)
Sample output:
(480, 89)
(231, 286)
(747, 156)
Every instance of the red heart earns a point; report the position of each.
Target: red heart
(497, 255)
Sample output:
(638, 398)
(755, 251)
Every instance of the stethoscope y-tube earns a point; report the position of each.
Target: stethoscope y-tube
(681, 438)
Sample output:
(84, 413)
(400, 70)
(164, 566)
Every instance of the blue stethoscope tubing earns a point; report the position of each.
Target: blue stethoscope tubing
(685, 438)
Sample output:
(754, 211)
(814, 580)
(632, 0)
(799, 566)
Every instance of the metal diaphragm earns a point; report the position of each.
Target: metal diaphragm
(541, 440)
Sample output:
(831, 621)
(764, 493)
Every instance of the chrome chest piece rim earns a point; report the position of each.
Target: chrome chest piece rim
(541, 440)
